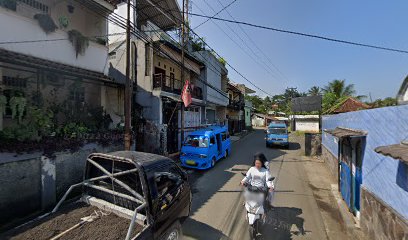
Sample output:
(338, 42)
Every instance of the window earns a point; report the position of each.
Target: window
(167, 182)
(196, 141)
(224, 136)
(147, 60)
(212, 140)
(278, 131)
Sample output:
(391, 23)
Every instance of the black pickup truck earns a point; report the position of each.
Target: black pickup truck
(124, 195)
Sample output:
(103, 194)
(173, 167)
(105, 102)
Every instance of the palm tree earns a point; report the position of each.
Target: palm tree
(315, 91)
(340, 89)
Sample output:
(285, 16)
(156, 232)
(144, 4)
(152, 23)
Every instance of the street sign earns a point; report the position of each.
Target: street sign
(307, 104)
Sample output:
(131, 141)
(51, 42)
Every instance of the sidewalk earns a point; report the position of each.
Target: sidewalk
(338, 220)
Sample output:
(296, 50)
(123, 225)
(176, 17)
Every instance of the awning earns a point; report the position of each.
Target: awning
(165, 14)
(396, 151)
(341, 132)
(34, 62)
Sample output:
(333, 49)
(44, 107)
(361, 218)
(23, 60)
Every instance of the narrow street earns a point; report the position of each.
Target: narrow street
(218, 211)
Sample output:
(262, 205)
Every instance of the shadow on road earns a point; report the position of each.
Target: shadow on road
(208, 182)
(283, 223)
(196, 229)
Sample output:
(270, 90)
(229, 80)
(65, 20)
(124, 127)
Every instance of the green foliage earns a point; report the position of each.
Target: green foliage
(314, 91)
(46, 22)
(383, 102)
(197, 43)
(340, 89)
(79, 41)
(3, 103)
(17, 105)
(41, 120)
(222, 61)
(73, 130)
(38, 124)
(63, 21)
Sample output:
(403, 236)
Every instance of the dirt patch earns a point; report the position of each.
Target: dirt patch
(105, 227)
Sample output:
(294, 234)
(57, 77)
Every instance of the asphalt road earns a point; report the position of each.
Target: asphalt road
(218, 211)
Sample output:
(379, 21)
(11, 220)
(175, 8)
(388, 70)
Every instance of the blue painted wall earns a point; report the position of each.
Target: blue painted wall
(384, 176)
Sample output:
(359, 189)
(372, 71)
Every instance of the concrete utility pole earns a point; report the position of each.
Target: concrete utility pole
(128, 87)
(183, 40)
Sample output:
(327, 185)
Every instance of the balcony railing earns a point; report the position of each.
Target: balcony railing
(236, 104)
(171, 85)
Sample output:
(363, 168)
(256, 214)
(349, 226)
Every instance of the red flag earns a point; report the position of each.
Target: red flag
(186, 94)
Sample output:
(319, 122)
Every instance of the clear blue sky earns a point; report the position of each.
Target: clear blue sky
(307, 62)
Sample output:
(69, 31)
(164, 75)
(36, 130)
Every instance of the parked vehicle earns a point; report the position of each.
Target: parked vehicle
(203, 148)
(148, 194)
(277, 134)
(255, 200)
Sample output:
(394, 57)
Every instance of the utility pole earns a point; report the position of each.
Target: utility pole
(183, 40)
(128, 87)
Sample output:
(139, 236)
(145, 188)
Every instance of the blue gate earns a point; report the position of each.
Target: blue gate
(345, 183)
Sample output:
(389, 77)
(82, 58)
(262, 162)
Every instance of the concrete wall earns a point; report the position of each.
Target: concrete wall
(331, 161)
(378, 221)
(307, 125)
(61, 51)
(382, 175)
(213, 74)
(32, 183)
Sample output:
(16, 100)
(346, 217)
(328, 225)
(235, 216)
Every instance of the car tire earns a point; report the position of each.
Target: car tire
(226, 154)
(267, 145)
(175, 232)
(213, 161)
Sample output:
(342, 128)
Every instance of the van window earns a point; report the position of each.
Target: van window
(278, 131)
(196, 141)
(212, 140)
(224, 136)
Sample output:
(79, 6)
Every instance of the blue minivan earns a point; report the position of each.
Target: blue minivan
(203, 148)
(277, 134)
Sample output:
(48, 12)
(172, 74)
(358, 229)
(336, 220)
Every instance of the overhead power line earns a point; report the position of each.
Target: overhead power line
(256, 45)
(304, 34)
(215, 14)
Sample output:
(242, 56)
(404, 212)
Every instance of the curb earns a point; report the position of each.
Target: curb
(344, 212)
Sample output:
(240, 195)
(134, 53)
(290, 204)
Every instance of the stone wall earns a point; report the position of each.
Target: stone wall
(379, 221)
(313, 144)
(31, 183)
(331, 161)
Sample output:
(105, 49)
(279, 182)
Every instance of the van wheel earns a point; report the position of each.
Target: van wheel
(174, 233)
(213, 162)
(226, 154)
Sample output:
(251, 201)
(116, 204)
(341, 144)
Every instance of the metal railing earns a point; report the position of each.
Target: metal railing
(172, 85)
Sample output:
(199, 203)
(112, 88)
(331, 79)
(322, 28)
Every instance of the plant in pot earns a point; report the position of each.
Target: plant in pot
(79, 41)
(17, 105)
(63, 22)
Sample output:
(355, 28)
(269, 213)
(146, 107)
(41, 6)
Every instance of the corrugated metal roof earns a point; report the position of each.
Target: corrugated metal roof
(345, 132)
(397, 151)
(165, 14)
